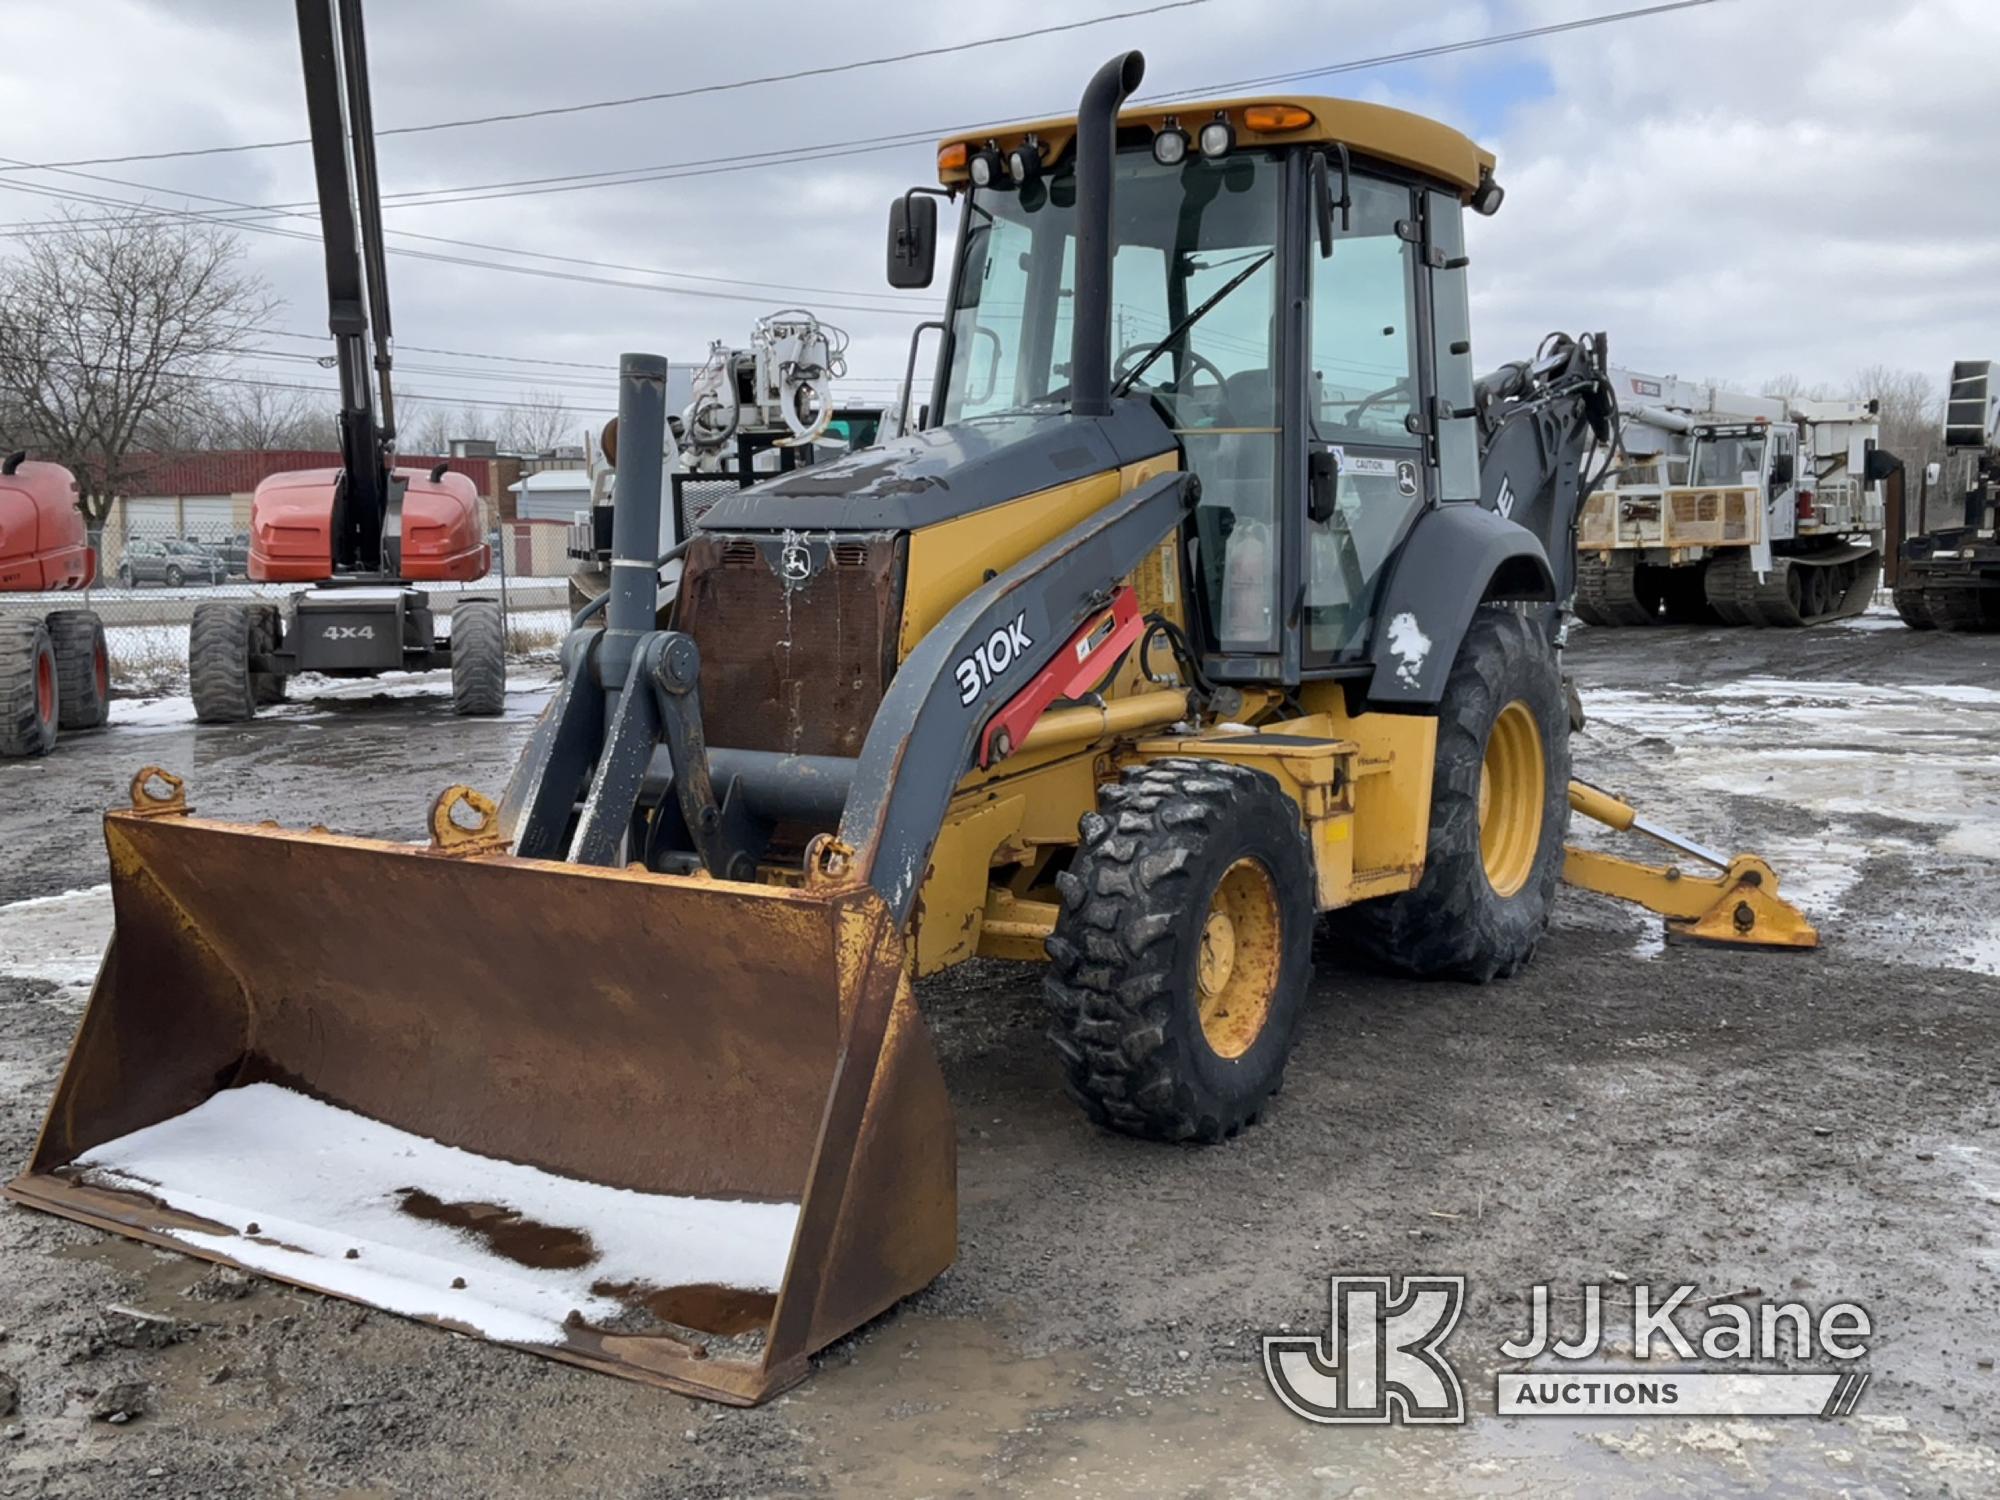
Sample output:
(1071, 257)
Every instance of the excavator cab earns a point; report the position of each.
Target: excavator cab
(1197, 618)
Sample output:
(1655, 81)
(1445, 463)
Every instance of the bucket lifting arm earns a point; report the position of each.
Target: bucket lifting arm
(1733, 901)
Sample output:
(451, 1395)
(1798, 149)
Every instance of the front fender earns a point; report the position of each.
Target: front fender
(1455, 558)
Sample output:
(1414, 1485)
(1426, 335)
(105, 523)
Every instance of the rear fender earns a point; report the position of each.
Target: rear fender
(1455, 558)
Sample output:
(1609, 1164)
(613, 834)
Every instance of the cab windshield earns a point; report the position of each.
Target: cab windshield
(1183, 235)
(1724, 458)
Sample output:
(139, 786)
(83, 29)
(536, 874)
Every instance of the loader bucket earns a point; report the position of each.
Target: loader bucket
(673, 1129)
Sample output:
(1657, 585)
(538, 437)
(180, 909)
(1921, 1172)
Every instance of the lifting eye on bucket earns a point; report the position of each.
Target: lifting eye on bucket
(465, 821)
(158, 793)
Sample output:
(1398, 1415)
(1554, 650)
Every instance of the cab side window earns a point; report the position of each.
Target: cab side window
(1364, 387)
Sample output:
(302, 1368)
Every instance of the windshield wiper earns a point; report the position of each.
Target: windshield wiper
(1179, 331)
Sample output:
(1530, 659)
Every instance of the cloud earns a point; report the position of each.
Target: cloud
(1737, 190)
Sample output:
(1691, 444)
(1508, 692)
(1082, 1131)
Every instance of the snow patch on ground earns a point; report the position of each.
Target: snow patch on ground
(527, 691)
(1926, 754)
(57, 939)
(319, 1182)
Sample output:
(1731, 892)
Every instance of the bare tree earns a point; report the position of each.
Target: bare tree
(1791, 386)
(1912, 411)
(264, 418)
(539, 421)
(426, 428)
(107, 327)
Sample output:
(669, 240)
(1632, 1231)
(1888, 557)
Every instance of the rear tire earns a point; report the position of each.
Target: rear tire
(478, 659)
(1179, 961)
(29, 696)
(1495, 849)
(220, 643)
(83, 668)
(175, 578)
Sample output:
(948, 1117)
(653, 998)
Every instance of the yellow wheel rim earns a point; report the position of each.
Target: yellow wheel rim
(1236, 968)
(1512, 789)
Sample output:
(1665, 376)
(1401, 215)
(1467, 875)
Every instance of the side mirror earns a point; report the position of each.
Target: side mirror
(1782, 471)
(1322, 483)
(1324, 203)
(912, 240)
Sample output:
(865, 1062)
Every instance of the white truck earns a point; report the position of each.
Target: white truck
(1724, 506)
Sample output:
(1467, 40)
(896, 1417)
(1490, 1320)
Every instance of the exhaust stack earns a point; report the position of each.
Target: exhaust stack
(1096, 148)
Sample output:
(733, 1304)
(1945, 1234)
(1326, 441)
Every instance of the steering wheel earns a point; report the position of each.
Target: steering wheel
(1197, 364)
(1400, 388)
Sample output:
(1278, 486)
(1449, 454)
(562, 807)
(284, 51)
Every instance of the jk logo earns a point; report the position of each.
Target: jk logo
(1380, 1359)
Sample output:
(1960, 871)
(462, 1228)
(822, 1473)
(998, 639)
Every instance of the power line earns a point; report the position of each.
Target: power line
(620, 103)
(626, 177)
(744, 161)
(577, 278)
(1442, 49)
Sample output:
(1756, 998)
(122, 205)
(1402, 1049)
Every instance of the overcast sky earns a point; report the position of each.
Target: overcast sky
(1740, 189)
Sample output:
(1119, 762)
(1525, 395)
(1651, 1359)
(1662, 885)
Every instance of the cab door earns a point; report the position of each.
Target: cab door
(1388, 374)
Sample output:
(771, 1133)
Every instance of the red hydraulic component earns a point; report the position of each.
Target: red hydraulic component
(43, 544)
(1085, 660)
(291, 528)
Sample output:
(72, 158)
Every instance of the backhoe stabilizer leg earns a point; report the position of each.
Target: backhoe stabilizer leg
(1737, 902)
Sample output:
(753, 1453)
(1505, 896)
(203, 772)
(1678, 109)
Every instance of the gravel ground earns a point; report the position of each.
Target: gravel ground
(1820, 1126)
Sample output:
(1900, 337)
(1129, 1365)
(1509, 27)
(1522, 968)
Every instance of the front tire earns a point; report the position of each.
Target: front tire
(1179, 961)
(29, 699)
(220, 643)
(175, 578)
(478, 659)
(1498, 819)
(83, 668)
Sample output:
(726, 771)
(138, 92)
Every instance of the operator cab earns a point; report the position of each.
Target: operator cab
(1311, 431)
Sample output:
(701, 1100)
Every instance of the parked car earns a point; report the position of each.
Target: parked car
(173, 563)
(234, 550)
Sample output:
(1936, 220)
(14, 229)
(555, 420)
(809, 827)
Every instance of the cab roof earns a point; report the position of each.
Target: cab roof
(1396, 136)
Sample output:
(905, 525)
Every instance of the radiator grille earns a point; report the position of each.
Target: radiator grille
(799, 666)
(1722, 516)
(695, 493)
(1598, 525)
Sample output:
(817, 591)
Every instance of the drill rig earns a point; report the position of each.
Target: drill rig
(763, 409)
(1945, 570)
(1733, 508)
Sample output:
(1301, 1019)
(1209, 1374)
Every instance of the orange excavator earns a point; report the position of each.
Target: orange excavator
(365, 534)
(54, 672)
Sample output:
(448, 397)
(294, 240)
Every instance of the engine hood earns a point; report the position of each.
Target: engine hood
(945, 472)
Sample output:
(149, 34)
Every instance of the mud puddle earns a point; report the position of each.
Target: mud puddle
(1898, 780)
(940, 1407)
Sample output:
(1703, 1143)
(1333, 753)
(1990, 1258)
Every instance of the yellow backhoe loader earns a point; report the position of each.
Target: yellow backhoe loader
(1200, 612)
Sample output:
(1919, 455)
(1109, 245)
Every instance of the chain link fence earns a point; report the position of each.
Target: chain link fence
(153, 576)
